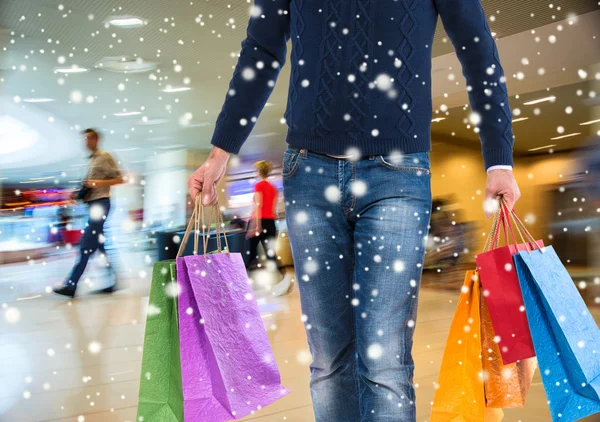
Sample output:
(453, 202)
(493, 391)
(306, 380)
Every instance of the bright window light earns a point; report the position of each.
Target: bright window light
(15, 136)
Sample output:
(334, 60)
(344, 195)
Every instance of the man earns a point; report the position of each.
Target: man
(356, 174)
(102, 174)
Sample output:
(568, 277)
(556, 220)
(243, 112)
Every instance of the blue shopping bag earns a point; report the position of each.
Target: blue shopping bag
(565, 335)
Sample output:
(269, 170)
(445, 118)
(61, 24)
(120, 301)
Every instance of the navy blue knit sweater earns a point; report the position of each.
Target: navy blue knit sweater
(361, 75)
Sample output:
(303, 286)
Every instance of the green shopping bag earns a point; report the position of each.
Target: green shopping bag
(161, 397)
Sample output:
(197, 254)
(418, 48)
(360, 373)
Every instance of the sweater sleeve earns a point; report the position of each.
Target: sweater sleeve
(467, 28)
(262, 56)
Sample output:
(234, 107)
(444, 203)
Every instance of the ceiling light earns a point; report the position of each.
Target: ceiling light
(72, 69)
(541, 100)
(126, 21)
(125, 64)
(438, 119)
(264, 135)
(170, 89)
(565, 136)
(170, 146)
(494, 34)
(520, 119)
(591, 122)
(125, 149)
(38, 100)
(157, 121)
(128, 113)
(544, 147)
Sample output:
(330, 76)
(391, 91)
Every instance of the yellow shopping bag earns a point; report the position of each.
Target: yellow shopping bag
(460, 394)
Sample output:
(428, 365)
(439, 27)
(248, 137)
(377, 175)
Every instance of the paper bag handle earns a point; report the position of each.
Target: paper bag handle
(197, 225)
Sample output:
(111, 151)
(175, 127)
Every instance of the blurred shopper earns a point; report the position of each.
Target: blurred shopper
(356, 174)
(103, 173)
(262, 228)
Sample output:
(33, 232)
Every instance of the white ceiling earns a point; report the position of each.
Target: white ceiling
(174, 35)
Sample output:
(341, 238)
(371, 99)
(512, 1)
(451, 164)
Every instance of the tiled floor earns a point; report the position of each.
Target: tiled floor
(80, 360)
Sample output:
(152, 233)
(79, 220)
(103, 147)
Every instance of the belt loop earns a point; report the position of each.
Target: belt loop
(303, 153)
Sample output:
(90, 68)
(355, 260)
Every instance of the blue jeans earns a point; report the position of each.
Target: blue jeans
(357, 232)
(90, 241)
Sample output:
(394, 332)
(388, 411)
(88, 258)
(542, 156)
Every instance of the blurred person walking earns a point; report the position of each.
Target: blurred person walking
(357, 175)
(262, 228)
(103, 173)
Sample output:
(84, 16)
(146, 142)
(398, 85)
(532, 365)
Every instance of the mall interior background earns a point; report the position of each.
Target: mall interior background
(151, 76)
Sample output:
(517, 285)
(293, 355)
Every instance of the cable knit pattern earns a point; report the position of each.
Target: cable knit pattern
(362, 44)
(329, 65)
(335, 103)
(406, 73)
(297, 52)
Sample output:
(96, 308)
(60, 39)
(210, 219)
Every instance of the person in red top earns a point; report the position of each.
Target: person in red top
(262, 228)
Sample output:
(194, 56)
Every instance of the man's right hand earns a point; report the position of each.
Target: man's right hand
(208, 175)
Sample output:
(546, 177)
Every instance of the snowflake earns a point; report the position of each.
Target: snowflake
(375, 351)
(332, 194)
(384, 82)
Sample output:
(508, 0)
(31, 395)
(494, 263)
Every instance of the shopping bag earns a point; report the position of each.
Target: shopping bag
(506, 386)
(565, 335)
(459, 396)
(228, 367)
(160, 396)
(502, 293)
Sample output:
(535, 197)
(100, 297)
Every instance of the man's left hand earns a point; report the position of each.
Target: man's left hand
(501, 184)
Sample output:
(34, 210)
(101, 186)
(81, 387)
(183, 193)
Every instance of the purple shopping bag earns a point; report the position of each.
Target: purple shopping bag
(227, 364)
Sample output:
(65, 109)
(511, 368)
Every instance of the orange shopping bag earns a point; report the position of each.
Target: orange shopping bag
(506, 386)
(460, 395)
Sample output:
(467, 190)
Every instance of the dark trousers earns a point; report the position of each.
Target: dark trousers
(268, 238)
(90, 241)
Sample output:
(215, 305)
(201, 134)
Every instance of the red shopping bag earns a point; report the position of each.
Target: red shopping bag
(502, 291)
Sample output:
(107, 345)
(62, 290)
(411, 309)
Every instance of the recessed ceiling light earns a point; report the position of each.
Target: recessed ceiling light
(438, 119)
(591, 122)
(126, 21)
(128, 113)
(170, 89)
(494, 34)
(565, 136)
(544, 147)
(125, 64)
(541, 100)
(72, 69)
(520, 119)
(38, 100)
